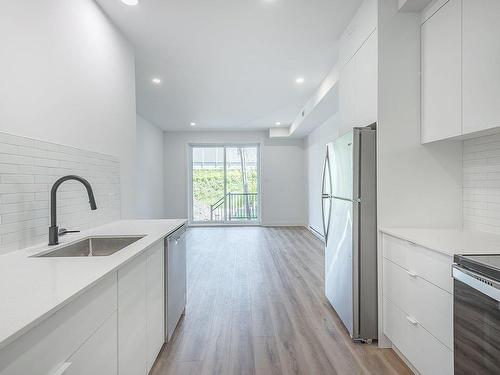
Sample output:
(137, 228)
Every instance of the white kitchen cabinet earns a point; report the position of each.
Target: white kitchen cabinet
(441, 94)
(98, 355)
(141, 307)
(358, 87)
(347, 97)
(176, 279)
(432, 307)
(155, 305)
(418, 304)
(46, 347)
(367, 82)
(430, 265)
(481, 65)
(426, 353)
(132, 341)
(460, 83)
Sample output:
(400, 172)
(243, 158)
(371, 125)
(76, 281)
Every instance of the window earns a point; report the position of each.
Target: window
(225, 184)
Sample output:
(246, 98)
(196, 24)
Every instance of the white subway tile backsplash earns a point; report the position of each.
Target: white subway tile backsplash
(17, 179)
(11, 139)
(16, 198)
(28, 168)
(481, 184)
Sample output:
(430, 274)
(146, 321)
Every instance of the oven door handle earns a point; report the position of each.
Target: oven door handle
(483, 284)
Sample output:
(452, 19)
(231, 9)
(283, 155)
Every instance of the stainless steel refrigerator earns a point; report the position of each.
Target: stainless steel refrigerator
(350, 229)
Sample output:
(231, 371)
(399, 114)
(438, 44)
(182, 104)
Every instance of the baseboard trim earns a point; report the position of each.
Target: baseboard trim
(219, 225)
(283, 225)
(317, 234)
(405, 360)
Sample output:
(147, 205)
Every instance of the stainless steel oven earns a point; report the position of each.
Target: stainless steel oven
(476, 314)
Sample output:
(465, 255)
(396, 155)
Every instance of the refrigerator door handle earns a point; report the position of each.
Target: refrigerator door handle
(326, 225)
(324, 195)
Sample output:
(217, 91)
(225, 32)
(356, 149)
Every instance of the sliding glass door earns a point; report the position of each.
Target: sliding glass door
(224, 184)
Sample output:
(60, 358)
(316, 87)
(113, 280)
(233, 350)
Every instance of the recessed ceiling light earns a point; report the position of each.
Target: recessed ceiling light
(130, 2)
(192, 123)
(156, 81)
(300, 80)
(278, 123)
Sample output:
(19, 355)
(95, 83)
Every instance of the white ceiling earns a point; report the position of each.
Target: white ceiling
(229, 64)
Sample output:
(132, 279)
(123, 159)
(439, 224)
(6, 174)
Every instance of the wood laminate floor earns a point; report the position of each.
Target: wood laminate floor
(256, 306)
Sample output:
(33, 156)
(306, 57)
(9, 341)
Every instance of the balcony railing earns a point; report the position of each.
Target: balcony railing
(235, 207)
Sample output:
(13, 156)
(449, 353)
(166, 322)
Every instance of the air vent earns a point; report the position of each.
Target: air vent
(483, 280)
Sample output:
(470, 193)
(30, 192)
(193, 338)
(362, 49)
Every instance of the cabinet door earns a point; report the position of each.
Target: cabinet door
(481, 65)
(367, 82)
(132, 317)
(176, 281)
(441, 74)
(155, 302)
(347, 98)
(98, 355)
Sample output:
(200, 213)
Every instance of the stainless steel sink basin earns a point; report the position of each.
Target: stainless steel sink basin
(92, 247)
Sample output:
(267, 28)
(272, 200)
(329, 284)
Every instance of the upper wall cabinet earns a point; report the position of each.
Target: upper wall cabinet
(440, 80)
(367, 82)
(481, 65)
(460, 68)
(358, 87)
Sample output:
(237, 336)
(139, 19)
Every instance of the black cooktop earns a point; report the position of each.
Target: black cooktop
(487, 265)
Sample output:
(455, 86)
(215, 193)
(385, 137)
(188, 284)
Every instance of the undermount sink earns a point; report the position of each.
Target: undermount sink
(92, 247)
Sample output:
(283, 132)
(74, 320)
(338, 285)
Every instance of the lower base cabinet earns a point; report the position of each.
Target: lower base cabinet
(59, 344)
(426, 353)
(115, 327)
(141, 312)
(418, 304)
(155, 303)
(132, 317)
(98, 355)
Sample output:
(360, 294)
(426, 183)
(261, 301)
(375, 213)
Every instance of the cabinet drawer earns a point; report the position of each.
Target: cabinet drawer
(427, 354)
(46, 347)
(431, 306)
(99, 355)
(427, 264)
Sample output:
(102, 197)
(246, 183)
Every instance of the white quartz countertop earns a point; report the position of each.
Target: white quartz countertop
(31, 289)
(449, 241)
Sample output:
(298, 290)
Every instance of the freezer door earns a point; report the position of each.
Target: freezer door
(338, 262)
(342, 166)
(326, 191)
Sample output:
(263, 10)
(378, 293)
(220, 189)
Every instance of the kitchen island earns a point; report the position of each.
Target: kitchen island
(57, 312)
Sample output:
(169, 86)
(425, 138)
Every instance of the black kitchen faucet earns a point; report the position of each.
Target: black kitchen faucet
(54, 230)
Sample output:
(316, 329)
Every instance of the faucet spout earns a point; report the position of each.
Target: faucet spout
(54, 230)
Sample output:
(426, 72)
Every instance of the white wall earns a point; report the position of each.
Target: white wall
(283, 184)
(67, 76)
(315, 156)
(150, 171)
